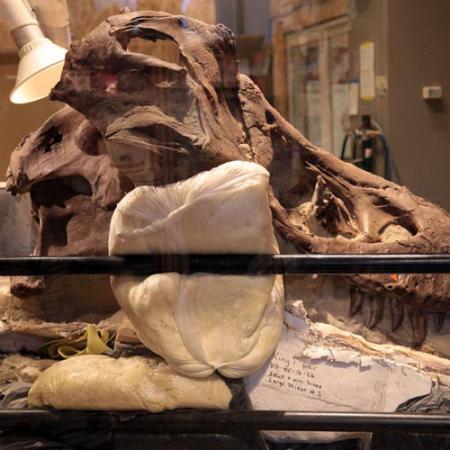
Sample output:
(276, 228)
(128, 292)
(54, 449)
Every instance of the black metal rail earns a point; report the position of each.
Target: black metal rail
(226, 264)
(228, 421)
(231, 421)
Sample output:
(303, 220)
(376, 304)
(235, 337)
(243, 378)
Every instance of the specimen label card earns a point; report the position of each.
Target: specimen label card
(304, 375)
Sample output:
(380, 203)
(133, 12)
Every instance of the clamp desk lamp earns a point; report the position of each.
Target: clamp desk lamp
(41, 61)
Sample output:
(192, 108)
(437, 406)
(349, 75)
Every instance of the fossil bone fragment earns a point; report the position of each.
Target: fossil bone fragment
(201, 323)
(166, 121)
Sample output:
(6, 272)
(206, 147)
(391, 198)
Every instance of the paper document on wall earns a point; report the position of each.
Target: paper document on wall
(367, 70)
(353, 98)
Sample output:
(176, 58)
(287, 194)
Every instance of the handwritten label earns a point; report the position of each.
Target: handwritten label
(305, 376)
(293, 375)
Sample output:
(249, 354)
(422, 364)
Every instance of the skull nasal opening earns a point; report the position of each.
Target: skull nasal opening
(56, 192)
(50, 139)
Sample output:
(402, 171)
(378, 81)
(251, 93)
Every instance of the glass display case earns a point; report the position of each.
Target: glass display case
(218, 225)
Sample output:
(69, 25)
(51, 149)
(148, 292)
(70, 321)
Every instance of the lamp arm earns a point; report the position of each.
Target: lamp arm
(22, 21)
(53, 17)
(36, 18)
(18, 13)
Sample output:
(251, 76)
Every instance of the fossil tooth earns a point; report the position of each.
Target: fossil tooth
(397, 313)
(438, 321)
(418, 322)
(356, 301)
(376, 307)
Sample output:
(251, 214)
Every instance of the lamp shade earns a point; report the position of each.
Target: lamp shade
(40, 67)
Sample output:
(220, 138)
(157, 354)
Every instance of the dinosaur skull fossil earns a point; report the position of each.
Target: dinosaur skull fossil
(74, 188)
(164, 121)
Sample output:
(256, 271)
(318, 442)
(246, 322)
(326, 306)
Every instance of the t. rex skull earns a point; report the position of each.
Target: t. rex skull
(165, 121)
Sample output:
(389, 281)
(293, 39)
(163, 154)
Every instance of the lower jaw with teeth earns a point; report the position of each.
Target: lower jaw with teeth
(345, 349)
(379, 319)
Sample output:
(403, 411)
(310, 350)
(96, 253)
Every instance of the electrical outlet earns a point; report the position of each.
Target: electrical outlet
(432, 92)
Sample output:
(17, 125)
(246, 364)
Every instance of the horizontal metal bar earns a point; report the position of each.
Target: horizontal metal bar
(226, 264)
(230, 421)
